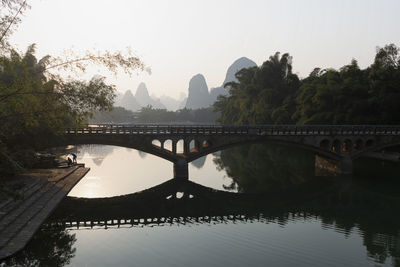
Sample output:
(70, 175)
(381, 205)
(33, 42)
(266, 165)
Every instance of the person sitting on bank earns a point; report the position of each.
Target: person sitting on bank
(73, 158)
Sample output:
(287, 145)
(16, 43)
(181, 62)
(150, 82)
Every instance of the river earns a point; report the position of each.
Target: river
(296, 219)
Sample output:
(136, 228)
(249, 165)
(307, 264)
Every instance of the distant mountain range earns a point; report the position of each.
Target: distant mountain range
(144, 99)
(173, 104)
(200, 97)
(139, 100)
(198, 94)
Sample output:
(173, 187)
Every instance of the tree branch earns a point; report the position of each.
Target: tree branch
(5, 96)
(12, 21)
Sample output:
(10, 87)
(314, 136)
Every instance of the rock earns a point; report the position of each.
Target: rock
(128, 101)
(239, 64)
(144, 99)
(198, 93)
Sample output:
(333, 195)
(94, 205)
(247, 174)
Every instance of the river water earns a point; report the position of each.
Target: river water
(296, 219)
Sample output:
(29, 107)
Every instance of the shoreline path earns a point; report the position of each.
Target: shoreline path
(43, 191)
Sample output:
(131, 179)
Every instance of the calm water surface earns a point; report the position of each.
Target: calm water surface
(348, 222)
(118, 171)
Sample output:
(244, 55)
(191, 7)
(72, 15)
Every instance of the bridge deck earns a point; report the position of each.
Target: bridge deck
(20, 219)
(239, 129)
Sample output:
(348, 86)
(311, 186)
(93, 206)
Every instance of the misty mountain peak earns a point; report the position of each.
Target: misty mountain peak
(198, 93)
(144, 99)
(128, 101)
(142, 93)
(128, 94)
(238, 64)
(198, 83)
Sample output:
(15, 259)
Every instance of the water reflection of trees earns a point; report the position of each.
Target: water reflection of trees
(256, 168)
(97, 152)
(52, 247)
(361, 209)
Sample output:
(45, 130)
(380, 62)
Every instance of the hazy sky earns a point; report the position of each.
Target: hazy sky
(178, 39)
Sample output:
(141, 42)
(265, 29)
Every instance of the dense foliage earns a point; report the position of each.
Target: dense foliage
(263, 94)
(36, 103)
(34, 108)
(272, 94)
(10, 16)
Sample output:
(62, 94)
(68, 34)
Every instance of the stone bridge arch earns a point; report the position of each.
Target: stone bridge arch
(376, 147)
(222, 143)
(142, 143)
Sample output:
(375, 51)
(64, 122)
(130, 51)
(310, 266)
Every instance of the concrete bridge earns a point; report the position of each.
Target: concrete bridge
(181, 144)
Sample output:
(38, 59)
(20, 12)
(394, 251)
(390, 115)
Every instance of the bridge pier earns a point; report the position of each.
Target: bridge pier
(174, 147)
(186, 147)
(181, 169)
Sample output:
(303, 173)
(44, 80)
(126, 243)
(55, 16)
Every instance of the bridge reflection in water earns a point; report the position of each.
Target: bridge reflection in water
(178, 201)
(184, 202)
(181, 202)
(346, 206)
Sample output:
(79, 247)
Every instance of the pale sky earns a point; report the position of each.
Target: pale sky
(179, 39)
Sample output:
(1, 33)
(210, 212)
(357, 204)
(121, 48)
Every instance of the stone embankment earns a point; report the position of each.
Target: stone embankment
(43, 191)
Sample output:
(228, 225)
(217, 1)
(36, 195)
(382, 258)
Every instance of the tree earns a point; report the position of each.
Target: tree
(334, 97)
(35, 102)
(352, 95)
(384, 79)
(262, 94)
(36, 105)
(10, 13)
(31, 104)
(273, 94)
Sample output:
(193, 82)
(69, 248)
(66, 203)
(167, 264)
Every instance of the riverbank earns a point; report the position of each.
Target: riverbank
(37, 193)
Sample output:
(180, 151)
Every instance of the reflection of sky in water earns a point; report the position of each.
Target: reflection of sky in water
(117, 171)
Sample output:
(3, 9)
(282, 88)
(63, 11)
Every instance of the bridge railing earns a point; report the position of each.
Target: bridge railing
(329, 130)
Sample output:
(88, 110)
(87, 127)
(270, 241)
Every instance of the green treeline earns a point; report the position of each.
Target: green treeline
(116, 115)
(273, 94)
(150, 115)
(202, 115)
